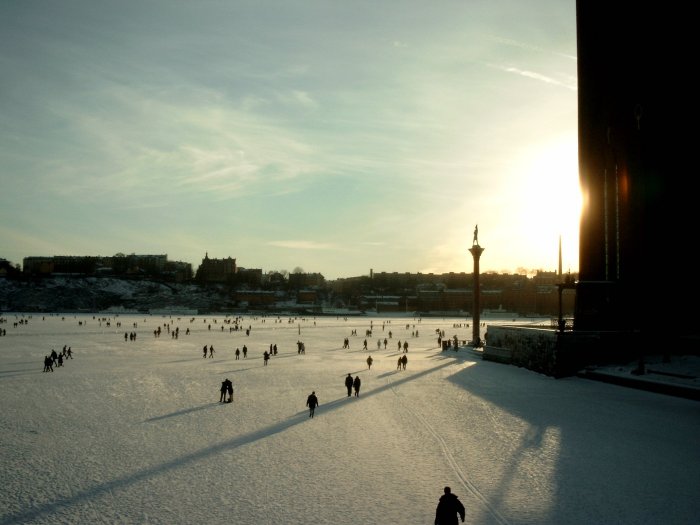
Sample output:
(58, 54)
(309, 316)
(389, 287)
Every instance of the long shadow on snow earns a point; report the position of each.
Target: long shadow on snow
(182, 412)
(45, 509)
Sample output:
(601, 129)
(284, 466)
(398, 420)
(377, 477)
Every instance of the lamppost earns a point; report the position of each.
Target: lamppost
(567, 284)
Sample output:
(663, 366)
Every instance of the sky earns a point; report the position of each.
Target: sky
(332, 137)
(132, 431)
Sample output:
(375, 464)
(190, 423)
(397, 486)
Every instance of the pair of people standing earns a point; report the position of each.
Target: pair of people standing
(401, 362)
(226, 388)
(351, 384)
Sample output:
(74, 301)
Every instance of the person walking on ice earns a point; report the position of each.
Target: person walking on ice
(356, 385)
(348, 384)
(312, 403)
(448, 508)
(369, 362)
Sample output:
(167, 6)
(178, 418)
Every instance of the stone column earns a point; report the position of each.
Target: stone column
(476, 252)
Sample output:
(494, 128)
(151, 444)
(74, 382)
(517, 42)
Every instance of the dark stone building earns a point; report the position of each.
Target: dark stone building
(636, 240)
(216, 270)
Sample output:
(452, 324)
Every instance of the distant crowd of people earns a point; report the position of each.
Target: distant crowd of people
(449, 508)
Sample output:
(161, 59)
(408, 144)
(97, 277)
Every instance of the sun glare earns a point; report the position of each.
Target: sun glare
(552, 198)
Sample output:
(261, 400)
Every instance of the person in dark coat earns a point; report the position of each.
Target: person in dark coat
(312, 403)
(222, 397)
(229, 390)
(348, 384)
(448, 508)
(356, 386)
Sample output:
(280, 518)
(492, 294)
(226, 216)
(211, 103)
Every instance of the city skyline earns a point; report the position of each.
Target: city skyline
(30, 264)
(321, 135)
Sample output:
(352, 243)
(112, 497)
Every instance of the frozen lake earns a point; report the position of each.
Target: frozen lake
(131, 430)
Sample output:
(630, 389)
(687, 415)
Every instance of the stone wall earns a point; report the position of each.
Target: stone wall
(531, 348)
(562, 354)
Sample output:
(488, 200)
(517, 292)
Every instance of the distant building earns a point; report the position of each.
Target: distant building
(254, 298)
(178, 271)
(216, 270)
(7, 270)
(300, 280)
(132, 265)
(38, 265)
(307, 297)
(251, 277)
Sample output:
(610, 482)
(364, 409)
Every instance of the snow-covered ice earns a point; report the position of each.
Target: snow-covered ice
(131, 432)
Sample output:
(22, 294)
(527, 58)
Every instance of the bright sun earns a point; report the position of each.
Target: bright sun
(553, 199)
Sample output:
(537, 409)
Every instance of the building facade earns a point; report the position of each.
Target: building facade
(633, 165)
(216, 270)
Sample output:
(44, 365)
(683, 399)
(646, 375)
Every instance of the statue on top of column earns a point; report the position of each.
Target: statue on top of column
(476, 235)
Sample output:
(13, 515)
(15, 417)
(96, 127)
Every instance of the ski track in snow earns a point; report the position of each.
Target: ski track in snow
(454, 465)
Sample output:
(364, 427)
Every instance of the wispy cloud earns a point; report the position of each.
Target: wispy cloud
(535, 76)
(304, 99)
(530, 47)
